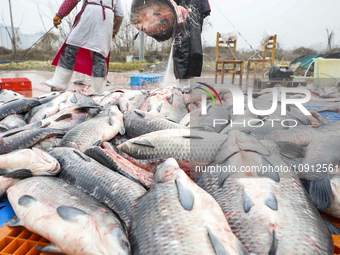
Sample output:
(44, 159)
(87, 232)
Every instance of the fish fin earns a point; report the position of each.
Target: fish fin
(271, 201)
(26, 200)
(186, 197)
(334, 229)
(37, 124)
(49, 249)
(171, 99)
(321, 193)
(70, 213)
(159, 108)
(74, 99)
(19, 174)
(127, 106)
(131, 98)
(111, 121)
(144, 142)
(193, 137)
(149, 108)
(247, 202)
(3, 171)
(44, 117)
(216, 243)
(270, 174)
(15, 222)
(46, 125)
(290, 150)
(82, 155)
(64, 116)
(139, 113)
(156, 14)
(274, 246)
(121, 130)
(222, 178)
(97, 143)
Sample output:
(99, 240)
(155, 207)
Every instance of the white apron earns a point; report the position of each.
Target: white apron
(93, 32)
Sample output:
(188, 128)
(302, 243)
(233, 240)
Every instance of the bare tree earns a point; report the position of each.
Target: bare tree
(330, 39)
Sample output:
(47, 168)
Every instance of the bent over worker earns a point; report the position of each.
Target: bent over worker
(87, 47)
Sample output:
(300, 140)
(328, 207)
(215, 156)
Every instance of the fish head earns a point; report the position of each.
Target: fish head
(44, 163)
(157, 18)
(168, 171)
(112, 235)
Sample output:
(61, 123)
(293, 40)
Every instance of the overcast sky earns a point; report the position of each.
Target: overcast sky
(296, 22)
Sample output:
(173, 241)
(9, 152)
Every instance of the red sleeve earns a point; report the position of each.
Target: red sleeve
(66, 7)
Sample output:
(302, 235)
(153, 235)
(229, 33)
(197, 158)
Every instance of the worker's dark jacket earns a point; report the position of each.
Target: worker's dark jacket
(188, 55)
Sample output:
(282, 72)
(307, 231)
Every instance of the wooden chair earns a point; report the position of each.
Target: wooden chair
(267, 60)
(228, 63)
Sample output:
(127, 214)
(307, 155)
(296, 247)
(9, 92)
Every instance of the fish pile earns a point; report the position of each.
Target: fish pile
(147, 172)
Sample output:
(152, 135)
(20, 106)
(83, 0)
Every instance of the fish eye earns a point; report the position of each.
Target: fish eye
(125, 244)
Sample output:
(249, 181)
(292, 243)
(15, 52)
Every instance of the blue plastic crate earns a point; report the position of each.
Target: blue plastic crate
(146, 79)
(331, 116)
(6, 211)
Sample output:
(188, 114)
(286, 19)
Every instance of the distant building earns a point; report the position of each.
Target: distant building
(26, 40)
(5, 40)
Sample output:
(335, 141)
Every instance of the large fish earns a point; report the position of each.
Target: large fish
(177, 217)
(188, 147)
(21, 105)
(26, 139)
(74, 222)
(139, 123)
(103, 127)
(168, 101)
(160, 19)
(268, 210)
(113, 189)
(131, 100)
(24, 163)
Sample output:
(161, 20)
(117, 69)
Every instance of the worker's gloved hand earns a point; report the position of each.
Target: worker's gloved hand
(57, 20)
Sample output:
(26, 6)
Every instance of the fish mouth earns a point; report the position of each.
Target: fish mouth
(55, 170)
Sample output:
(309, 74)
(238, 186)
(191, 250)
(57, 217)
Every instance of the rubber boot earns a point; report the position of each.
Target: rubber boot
(181, 83)
(98, 84)
(61, 78)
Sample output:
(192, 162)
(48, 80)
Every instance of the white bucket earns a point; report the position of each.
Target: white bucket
(129, 58)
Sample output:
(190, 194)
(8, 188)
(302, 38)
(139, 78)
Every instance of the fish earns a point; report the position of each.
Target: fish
(304, 135)
(334, 209)
(26, 139)
(321, 159)
(13, 121)
(160, 19)
(131, 100)
(62, 101)
(9, 95)
(268, 210)
(74, 222)
(111, 188)
(21, 105)
(21, 164)
(139, 123)
(116, 162)
(188, 147)
(168, 102)
(177, 217)
(87, 134)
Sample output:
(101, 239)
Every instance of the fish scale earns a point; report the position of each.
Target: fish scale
(116, 191)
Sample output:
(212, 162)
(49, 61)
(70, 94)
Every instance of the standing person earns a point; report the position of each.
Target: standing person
(187, 52)
(87, 47)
